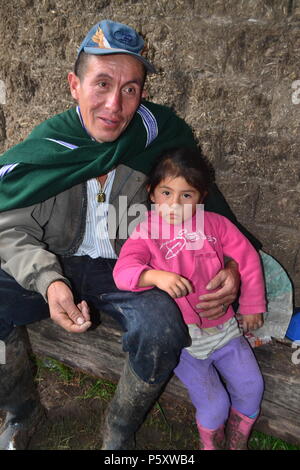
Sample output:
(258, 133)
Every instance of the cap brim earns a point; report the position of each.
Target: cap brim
(98, 51)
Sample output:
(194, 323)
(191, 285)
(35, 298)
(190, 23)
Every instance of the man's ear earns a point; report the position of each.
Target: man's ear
(145, 94)
(74, 84)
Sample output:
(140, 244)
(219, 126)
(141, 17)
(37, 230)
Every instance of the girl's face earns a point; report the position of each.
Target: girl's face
(176, 200)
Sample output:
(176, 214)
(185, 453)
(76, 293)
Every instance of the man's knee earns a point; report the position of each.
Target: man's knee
(164, 321)
(154, 334)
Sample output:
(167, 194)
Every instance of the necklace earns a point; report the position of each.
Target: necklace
(101, 196)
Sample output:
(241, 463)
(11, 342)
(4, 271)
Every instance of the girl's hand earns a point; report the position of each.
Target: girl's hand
(252, 322)
(175, 285)
(172, 283)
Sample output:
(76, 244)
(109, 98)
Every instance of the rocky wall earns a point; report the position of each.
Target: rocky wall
(230, 68)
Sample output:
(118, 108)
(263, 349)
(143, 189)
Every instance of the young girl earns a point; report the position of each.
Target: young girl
(179, 248)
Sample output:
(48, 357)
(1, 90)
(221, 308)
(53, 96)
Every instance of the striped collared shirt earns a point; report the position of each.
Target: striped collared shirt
(96, 241)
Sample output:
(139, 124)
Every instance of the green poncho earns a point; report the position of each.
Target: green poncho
(39, 168)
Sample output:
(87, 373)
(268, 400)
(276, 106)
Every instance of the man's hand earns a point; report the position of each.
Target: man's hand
(227, 281)
(252, 322)
(64, 312)
(172, 283)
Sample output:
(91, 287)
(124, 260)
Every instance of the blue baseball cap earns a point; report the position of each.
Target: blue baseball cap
(108, 37)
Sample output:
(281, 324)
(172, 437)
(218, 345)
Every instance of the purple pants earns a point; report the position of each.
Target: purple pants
(241, 386)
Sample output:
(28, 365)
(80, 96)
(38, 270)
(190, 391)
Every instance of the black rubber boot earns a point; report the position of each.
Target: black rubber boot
(18, 395)
(127, 410)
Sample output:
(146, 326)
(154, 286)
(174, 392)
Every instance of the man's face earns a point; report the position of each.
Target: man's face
(108, 94)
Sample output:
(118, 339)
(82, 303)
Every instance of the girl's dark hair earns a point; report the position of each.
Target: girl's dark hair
(185, 162)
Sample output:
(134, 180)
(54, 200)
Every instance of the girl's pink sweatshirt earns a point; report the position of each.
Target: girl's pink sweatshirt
(196, 251)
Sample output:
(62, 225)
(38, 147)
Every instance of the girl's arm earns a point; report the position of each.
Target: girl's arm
(133, 271)
(134, 259)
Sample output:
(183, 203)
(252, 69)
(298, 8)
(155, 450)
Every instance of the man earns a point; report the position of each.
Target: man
(57, 254)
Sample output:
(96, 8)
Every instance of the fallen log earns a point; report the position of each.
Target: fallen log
(99, 352)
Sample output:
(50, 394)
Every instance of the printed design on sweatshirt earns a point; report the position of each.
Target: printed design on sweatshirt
(176, 245)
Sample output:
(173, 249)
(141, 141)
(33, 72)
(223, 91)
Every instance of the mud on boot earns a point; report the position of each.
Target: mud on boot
(127, 410)
(238, 430)
(211, 439)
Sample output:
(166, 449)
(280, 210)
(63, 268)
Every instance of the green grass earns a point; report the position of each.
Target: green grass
(65, 373)
(261, 441)
(99, 389)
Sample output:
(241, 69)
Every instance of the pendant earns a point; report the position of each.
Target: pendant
(101, 197)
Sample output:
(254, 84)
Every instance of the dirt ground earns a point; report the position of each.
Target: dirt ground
(76, 405)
